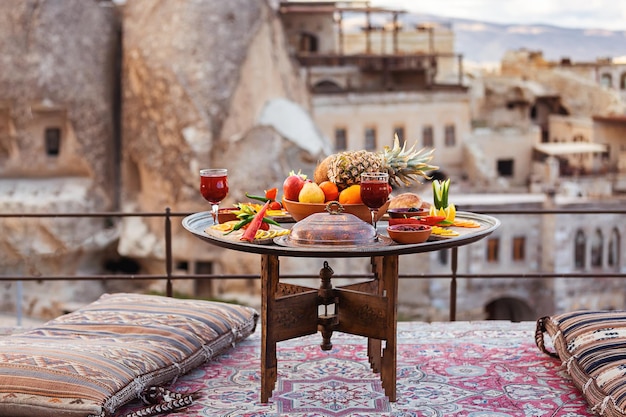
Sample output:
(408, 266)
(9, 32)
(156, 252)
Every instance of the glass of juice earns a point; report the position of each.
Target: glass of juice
(374, 191)
(214, 187)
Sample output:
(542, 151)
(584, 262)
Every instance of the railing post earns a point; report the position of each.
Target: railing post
(454, 266)
(18, 305)
(168, 252)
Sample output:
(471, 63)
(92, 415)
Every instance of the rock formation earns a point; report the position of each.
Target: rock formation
(58, 62)
(206, 84)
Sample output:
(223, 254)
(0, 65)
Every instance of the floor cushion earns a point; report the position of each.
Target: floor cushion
(592, 347)
(94, 360)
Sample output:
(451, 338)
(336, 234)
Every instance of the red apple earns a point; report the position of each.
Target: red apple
(292, 185)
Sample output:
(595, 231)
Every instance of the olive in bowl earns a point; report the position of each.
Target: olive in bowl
(409, 233)
(401, 213)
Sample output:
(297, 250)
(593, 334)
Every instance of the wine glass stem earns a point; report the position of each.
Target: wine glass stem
(374, 212)
(214, 210)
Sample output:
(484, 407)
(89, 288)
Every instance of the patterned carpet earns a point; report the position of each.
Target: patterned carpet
(481, 369)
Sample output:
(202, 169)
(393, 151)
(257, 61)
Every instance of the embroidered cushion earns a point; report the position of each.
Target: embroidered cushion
(592, 347)
(92, 361)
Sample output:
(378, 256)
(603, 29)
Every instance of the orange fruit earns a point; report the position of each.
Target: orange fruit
(331, 192)
(351, 195)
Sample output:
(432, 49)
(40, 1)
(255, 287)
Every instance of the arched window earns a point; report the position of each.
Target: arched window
(509, 308)
(606, 80)
(614, 249)
(597, 247)
(622, 81)
(579, 250)
(327, 86)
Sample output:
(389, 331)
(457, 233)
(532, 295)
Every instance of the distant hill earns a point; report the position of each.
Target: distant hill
(484, 42)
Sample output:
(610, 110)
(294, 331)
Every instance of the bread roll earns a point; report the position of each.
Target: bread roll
(406, 200)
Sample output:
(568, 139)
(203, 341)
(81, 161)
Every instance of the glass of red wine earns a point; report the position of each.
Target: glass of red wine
(214, 188)
(374, 191)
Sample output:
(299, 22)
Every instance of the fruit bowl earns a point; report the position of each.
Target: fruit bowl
(409, 233)
(300, 211)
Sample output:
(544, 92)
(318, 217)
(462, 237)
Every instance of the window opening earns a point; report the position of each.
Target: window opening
(370, 138)
(597, 247)
(308, 42)
(450, 136)
(606, 80)
(327, 86)
(182, 266)
(579, 250)
(341, 139)
(614, 249)
(53, 140)
(509, 308)
(493, 249)
(519, 248)
(427, 137)
(505, 167)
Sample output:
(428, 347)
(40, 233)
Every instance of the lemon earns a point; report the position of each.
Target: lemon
(450, 213)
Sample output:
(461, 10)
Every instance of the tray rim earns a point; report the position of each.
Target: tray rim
(195, 224)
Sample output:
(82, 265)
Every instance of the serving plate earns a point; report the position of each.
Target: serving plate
(237, 234)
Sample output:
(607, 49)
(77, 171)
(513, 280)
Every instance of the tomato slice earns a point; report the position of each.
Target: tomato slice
(271, 194)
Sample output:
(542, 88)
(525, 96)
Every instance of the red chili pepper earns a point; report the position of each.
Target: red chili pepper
(432, 220)
(271, 194)
(255, 224)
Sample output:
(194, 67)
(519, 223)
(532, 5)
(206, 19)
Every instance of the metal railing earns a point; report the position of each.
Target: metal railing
(168, 275)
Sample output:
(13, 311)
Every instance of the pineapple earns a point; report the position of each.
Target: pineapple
(403, 166)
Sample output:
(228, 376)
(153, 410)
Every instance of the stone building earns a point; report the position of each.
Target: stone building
(371, 77)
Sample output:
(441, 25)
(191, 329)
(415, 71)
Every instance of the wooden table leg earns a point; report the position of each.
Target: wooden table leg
(389, 285)
(269, 287)
(374, 353)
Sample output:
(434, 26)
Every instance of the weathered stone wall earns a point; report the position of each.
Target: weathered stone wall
(60, 56)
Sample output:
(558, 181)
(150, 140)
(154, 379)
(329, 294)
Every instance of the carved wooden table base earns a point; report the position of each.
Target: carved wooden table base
(366, 309)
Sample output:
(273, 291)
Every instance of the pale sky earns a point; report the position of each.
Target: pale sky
(583, 14)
